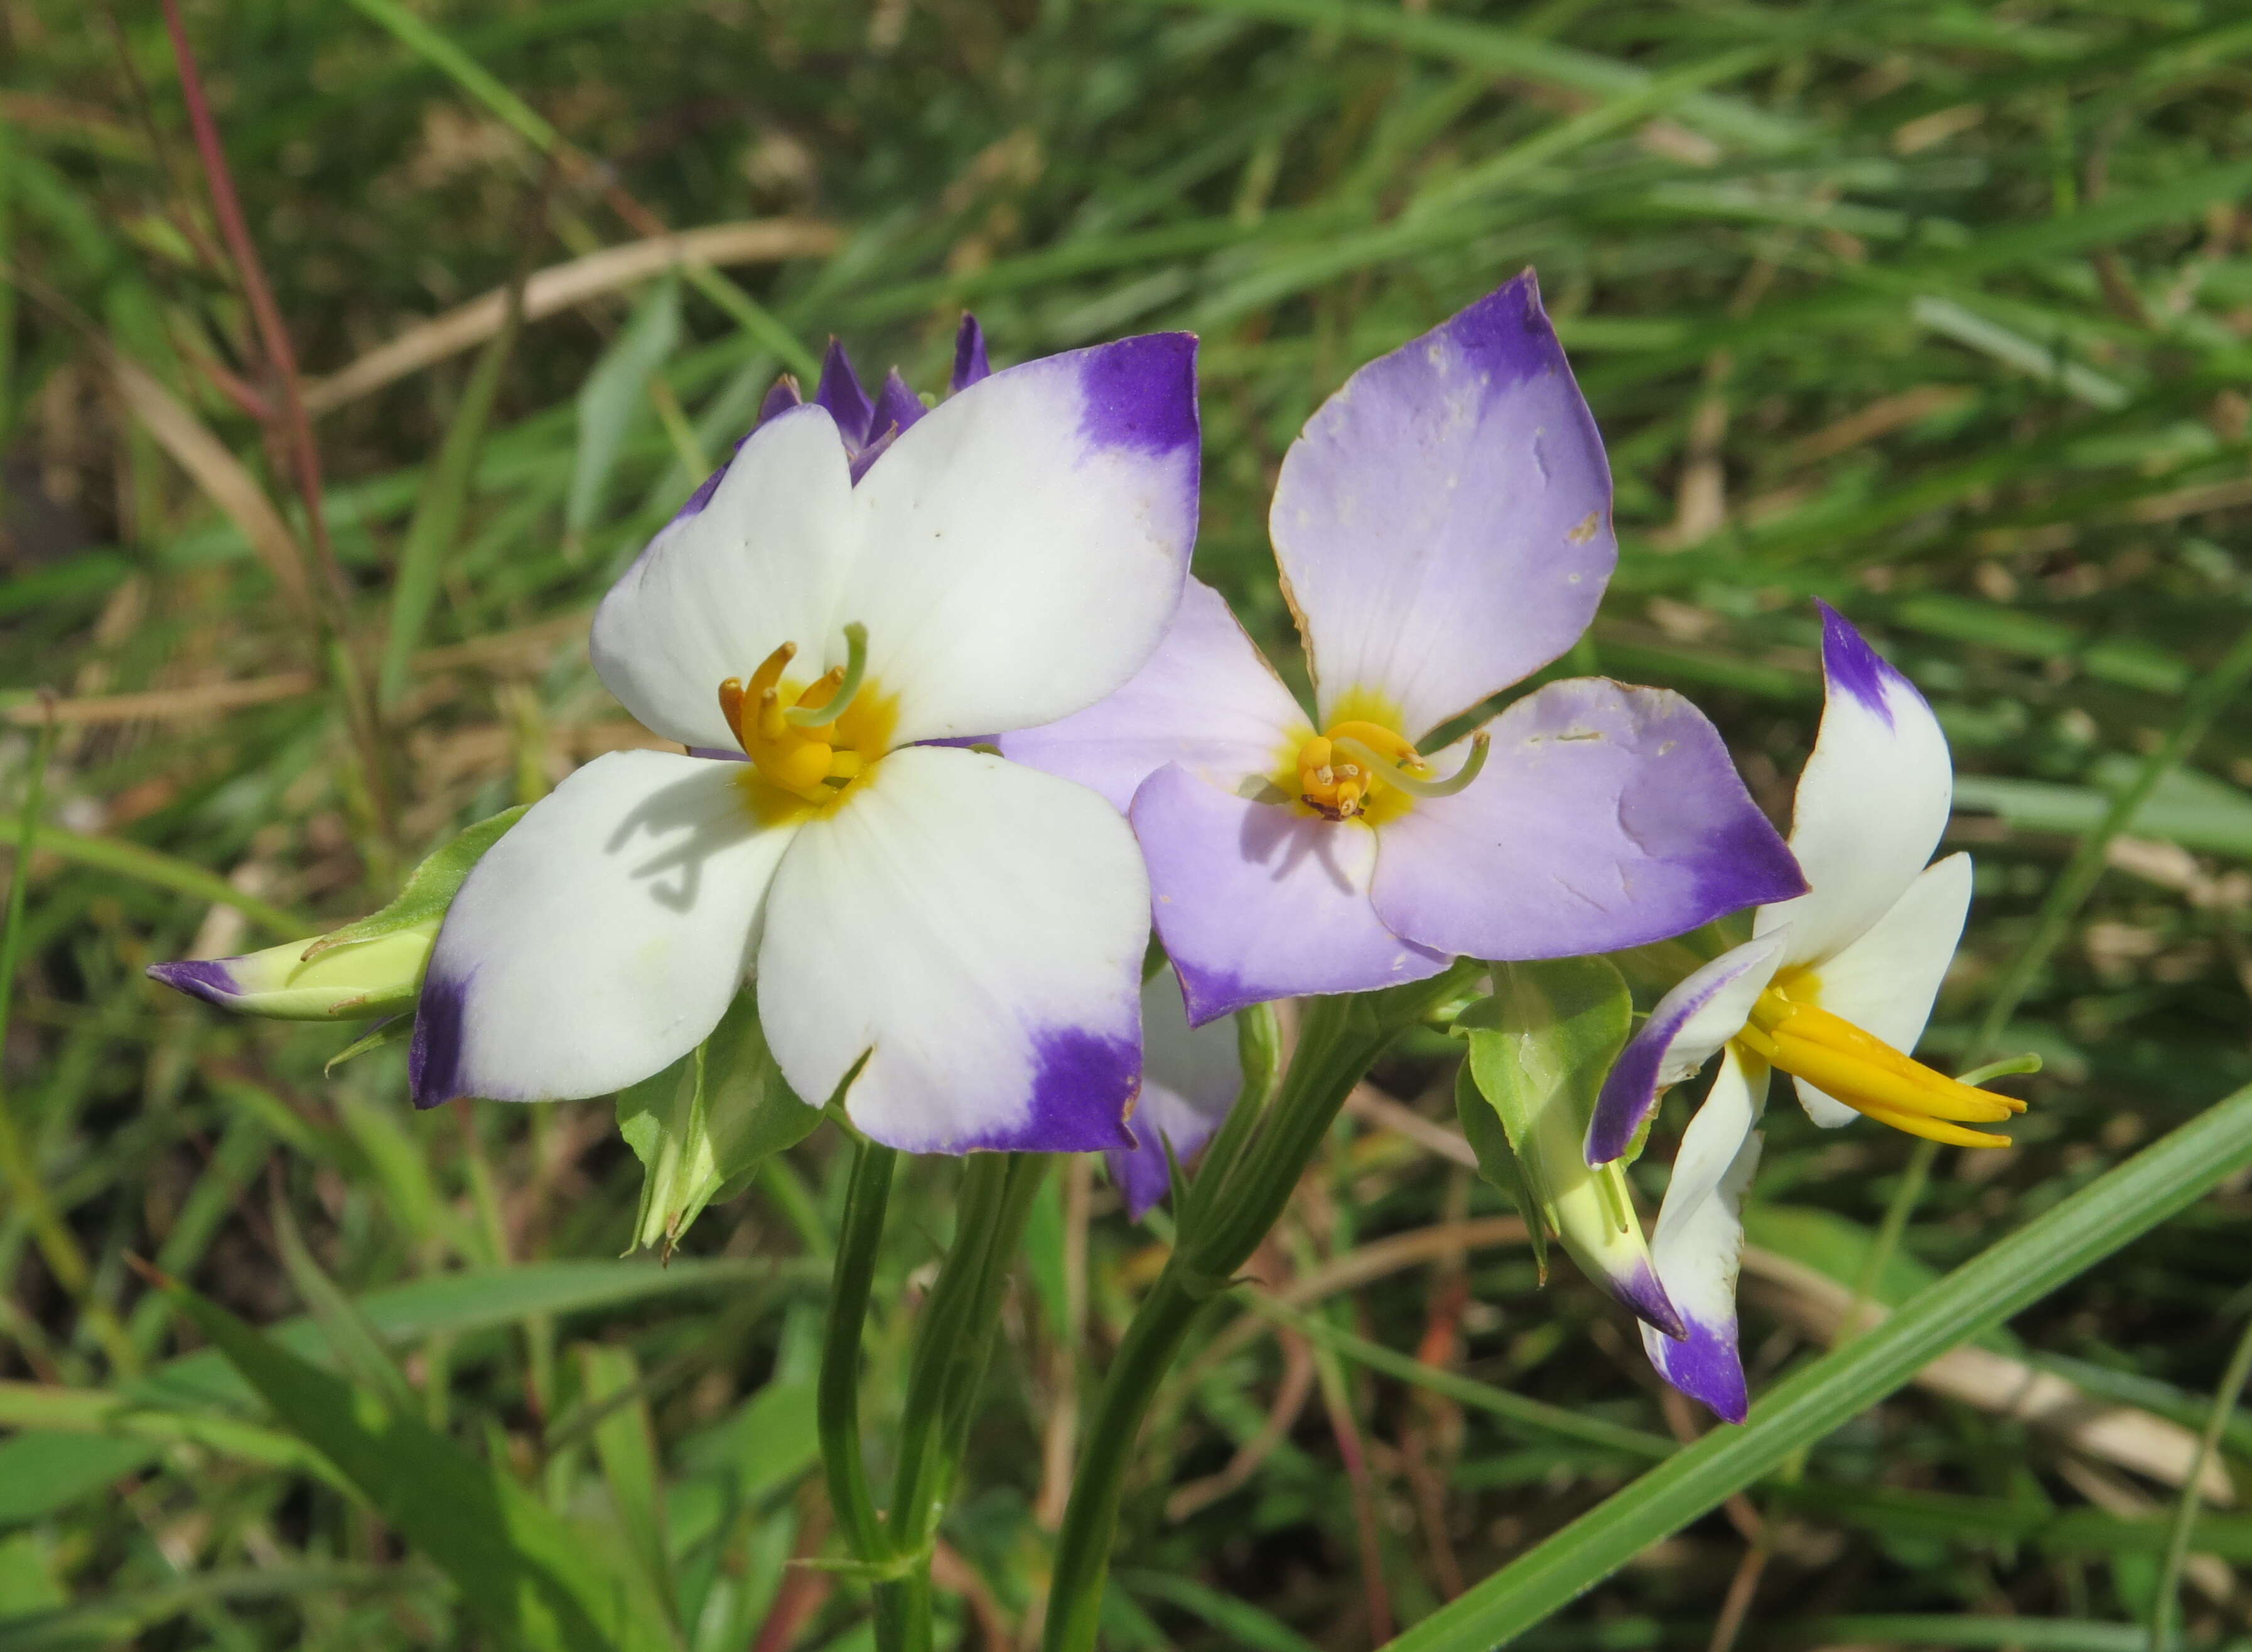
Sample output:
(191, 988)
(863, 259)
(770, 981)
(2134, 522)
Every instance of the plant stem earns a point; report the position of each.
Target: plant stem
(1233, 1205)
(947, 1366)
(839, 1401)
(2165, 1604)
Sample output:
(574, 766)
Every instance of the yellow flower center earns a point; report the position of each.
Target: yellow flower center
(1362, 768)
(1864, 1071)
(811, 741)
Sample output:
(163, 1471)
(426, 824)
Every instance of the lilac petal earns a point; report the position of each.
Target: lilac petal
(839, 391)
(1206, 700)
(1262, 901)
(1191, 1078)
(970, 363)
(1445, 523)
(1606, 816)
(1872, 801)
(1706, 1010)
(784, 396)
(1699, 1239)
(897, 406)
(969, 934)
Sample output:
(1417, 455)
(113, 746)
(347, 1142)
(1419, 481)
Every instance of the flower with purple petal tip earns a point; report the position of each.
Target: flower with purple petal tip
(1190, 1076)
(957, 935)
(1832, 988)
(1443, 528)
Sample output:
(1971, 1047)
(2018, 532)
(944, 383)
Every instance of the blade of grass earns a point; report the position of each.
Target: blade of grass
(2166, 1607)
(444, 501)
(520, 1570)
(160, 871)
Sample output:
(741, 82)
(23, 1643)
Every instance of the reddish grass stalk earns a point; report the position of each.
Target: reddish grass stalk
(289, 428)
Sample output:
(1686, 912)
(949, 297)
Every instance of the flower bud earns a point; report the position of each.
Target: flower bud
(352, 981)
(1539, 1049)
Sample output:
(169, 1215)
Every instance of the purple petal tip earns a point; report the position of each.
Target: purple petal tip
(1630, 1091)
(897, 406)
(1851, 666)
(205, 978)
(1141, 393)
(1749, 866)
(1508, 332)
(840, 393)
(434, 1059)
(1705, 1366)
(1640, 1290)
(784, 396)
(970, 363)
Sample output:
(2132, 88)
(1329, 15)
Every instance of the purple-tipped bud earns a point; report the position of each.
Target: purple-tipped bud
(897, 406)
(840, 393)
(784, 396)
(970, 363)
(354, 982)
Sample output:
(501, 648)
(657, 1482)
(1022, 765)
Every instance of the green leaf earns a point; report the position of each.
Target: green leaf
(707, 1121)
(521, 1571)
(429, 889)
(1498, 1163)
(357, 1348)
(615, 396)
(1241, 1623)
(2070, 1237)
(625, 1444)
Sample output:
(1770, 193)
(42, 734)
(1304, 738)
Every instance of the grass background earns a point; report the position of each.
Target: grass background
(1941, 312)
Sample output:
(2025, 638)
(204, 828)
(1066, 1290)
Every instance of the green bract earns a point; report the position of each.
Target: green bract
(706, 1121)
(1539, 1049)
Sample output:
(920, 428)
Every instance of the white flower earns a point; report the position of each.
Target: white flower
(959, 936)
(1833, 987)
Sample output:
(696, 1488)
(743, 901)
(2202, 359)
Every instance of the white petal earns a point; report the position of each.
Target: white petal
(976, 929)
(1026, 541)
(1885, 981)
(1700, 1239)
(601, 939)
(1872, 802)
(715, 592)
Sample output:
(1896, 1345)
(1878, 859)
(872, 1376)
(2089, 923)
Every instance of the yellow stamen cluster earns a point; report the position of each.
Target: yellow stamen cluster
(1869, 1075)
(789, 743)
(1358, 766)
(1335, 787)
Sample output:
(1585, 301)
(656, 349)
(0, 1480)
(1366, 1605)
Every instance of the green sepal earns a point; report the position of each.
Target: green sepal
(705, 1123)
(1540, 1048)
(429, 890)
(390, 1031)
(1498, 1163)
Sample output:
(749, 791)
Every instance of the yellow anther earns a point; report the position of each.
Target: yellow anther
(775, 725)
(1869, 1075)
